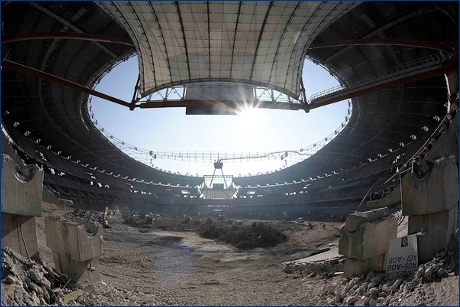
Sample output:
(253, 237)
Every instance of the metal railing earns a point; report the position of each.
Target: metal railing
(178, 93)
(401, 69)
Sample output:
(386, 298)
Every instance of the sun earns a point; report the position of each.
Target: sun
(250, 118)
(247, 111)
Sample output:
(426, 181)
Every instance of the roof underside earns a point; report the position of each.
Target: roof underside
(262, 43)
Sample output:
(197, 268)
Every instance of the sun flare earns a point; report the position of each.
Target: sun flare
(250, 118)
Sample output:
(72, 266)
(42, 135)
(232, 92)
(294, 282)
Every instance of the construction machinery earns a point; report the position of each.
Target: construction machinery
(103, 219)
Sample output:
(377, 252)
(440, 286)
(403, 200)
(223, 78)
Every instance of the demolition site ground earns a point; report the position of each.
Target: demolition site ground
(167, 262)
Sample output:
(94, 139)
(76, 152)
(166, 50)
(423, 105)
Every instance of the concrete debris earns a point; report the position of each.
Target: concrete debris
(72, 296)
(331, 266)
(30, 282)
(80, 214)
(33, 283)
(377, 288)
(84, 214)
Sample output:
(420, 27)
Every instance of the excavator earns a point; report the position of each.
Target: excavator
(103, 218)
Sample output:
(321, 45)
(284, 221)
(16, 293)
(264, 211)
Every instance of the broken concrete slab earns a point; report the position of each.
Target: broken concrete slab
(434, 232)
(371, 236)
(77, 241)
(435, 191)
(22, 187)
(355, 219)
(76, 247)
(19, 233)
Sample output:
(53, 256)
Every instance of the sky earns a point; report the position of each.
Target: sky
(259, 131)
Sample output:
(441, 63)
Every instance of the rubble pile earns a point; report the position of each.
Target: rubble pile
(243, 237)
(86, 217)
(377, 288)
(103, 294)
(92, 216)
(31, 283)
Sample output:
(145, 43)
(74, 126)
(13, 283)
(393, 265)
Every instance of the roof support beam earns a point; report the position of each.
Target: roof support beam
(322, 101)
(136, 89)
(43, 75)
(63, 35)
(184, 39)
(69, 25)
(260, 38)
(386, 41)
(378, 32)
(396, 79)
(209, 38)
(234, 37)
(222, 103)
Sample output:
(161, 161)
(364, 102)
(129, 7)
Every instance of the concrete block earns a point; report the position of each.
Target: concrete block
(7, 149)
(19, 233)
(436, 192)
(355, 219)
(22, 187)
(370, 239)
(356, 267)
(71, 239)
(78, 271)
(435, 231)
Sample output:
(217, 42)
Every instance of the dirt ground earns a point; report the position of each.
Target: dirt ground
(162, 265)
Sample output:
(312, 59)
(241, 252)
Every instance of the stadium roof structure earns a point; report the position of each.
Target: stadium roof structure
(261, 42)
(396, 61)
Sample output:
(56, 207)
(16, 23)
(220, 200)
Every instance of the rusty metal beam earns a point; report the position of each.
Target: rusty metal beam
(371, 89)
(46, 76)
(153, 104)
(387, 41)
(136, 88)
(448, 67)
(63, 35)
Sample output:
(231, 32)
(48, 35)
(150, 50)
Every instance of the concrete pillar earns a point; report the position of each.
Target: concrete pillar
(435, 231)
(21, 203)
(76, 247)
(19, 233)
(430, 199)
(364, 240)
(430, 188)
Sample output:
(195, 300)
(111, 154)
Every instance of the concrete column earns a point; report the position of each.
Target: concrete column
(76, 247)
(364, 240)
(435, 232)
(430, 199)
(21, 203)
(19, 233)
